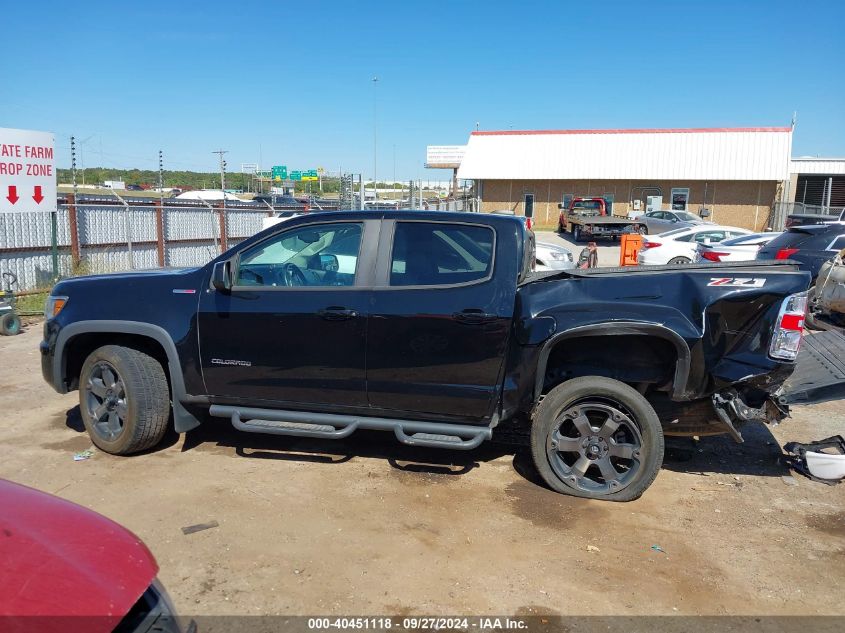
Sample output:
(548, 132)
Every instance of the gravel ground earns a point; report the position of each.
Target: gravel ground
(367, 526)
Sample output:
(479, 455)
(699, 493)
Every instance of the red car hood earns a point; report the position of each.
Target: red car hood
(60, 559)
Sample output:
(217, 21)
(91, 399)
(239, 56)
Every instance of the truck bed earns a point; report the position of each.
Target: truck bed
(599, 219)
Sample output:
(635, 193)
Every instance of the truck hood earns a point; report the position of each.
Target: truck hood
(134, 274)
(130, 278)
(60, 559)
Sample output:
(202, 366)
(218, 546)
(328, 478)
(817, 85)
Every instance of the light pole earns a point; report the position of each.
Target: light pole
(375, 139)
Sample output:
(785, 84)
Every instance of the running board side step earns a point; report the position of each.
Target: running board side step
(331, 426)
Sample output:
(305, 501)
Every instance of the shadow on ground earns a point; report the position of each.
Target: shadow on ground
(759, 455)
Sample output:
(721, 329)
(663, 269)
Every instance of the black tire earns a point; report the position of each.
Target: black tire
(130, 414)
(643, 230)
(576, 233)
(560, 228)
(626, 414)
(680, 260)
(10, 324)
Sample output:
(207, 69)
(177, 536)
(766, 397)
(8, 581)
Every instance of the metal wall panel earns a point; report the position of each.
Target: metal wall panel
(638, 155)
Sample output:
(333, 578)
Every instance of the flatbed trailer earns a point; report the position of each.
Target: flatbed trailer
(588, 218)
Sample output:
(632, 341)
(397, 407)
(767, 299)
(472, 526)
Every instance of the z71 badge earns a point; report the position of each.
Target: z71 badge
(744, 282)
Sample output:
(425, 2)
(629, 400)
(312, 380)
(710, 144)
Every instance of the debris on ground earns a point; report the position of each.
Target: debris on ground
(592, 548)
(199, 527)
(822, 461)
(657, 548)
(789, 480)
(81, 456)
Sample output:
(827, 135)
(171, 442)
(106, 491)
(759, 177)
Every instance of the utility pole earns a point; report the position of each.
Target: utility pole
(375, 138)
(220, 153)
(73, 164)
(160, 174)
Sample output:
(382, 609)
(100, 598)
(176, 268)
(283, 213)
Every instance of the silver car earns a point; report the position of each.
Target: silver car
(553, 257)
(661, 221)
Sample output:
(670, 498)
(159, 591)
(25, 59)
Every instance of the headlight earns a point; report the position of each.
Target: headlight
(557, 255)
(53, 306)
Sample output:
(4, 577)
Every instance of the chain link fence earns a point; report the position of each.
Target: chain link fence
(91, 235)
(97, 236)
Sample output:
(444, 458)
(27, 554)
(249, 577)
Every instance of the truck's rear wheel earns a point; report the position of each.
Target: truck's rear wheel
(124, 399)
(576, 233)
(597, 438)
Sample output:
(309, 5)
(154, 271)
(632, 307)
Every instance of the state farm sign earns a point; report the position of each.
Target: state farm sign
(27, 171)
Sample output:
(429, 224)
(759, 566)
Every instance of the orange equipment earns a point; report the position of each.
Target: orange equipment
(629, 248)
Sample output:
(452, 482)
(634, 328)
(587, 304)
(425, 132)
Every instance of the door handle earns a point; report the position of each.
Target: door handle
(473, 316)
(334, 313)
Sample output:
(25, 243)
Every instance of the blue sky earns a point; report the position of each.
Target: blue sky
(292, 82)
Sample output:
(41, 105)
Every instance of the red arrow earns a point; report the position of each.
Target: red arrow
(13, 194)
(38, 197)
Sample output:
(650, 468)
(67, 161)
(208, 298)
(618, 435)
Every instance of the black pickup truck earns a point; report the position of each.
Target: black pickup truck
(432, 326)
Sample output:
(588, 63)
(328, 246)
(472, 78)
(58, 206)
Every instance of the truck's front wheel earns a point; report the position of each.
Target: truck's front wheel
(124, 399)
(598, 438)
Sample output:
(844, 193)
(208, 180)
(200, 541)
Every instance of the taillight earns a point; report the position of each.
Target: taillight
(529, 224)
(712, 256)
(647, 245)
(786, 253)
(786, 338)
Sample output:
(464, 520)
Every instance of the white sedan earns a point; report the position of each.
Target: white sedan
(679, 246)
(553, 257)
(736, 249)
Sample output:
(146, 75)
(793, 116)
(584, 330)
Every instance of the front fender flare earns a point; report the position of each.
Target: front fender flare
(183, 420)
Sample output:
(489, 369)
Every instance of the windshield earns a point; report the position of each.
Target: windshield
(586, 205)
(687, 217)
(756, 238)
(674, 232)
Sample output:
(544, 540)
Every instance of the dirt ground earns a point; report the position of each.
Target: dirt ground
(367, 526)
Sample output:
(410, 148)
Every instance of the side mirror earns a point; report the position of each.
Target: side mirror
(329, 263)
(221, 276)
(675, 220)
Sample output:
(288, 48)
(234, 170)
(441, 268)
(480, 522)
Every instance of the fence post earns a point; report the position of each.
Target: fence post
(160, 233)
(54, 242)
(76, 258)
(224, 245)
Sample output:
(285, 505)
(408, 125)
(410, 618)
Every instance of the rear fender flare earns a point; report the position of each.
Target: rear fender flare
(621, 328)
(183, 420)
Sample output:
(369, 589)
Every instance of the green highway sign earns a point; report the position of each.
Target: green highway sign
(311, 174)
(296, 175)
(280, 172)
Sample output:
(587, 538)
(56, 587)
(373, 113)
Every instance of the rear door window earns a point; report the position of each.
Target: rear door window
(711, 236)
(438, 254)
